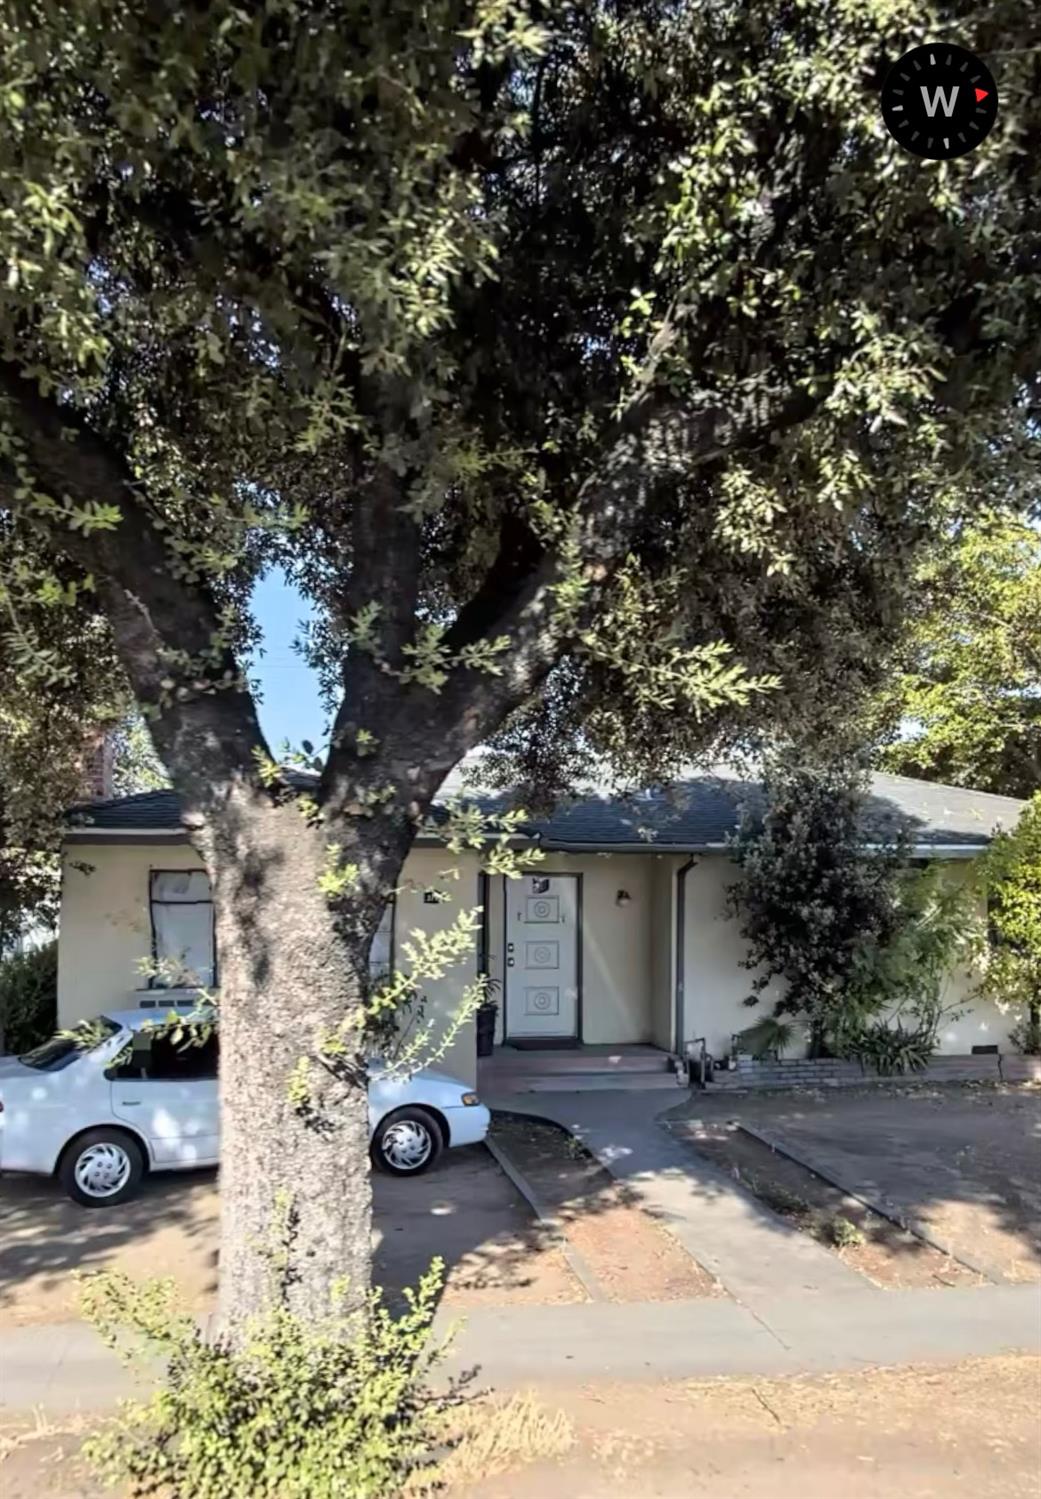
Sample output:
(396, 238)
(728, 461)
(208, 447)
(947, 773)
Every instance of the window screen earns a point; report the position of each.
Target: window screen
(381, 953)
(182, 926)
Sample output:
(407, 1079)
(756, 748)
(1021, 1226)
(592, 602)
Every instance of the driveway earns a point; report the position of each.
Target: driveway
(464, 1210)
(965, 1161)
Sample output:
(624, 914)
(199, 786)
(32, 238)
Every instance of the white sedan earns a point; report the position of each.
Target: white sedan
(126, 1098)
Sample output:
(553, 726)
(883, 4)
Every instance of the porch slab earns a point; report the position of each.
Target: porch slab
(575, 1069)
(629, 1055)
(756, 1256)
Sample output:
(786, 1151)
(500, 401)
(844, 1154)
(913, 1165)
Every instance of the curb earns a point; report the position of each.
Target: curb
(576, 1263)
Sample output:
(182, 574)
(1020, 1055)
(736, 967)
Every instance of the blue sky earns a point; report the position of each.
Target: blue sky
(290, 707)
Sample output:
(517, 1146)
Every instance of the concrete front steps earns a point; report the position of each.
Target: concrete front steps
(583, 1069)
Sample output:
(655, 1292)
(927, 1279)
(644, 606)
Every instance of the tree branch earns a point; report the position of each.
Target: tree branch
(653, 444)
(207, 733)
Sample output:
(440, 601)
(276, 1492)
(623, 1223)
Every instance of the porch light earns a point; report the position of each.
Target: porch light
(623, 898)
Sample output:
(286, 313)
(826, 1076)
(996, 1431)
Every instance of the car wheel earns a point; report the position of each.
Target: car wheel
(407, 1142)
(102, 1168)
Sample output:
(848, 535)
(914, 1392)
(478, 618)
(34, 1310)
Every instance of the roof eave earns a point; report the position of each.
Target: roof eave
(167, 836)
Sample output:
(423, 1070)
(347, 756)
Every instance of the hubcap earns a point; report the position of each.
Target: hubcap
(407, 1144)
(102, 1169)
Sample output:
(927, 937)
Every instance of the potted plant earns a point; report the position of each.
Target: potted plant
(485, 1015)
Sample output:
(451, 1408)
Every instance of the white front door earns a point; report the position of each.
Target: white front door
(542, 957)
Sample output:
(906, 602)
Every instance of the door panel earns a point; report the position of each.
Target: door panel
(168, 1090)
(180, 1120)
(542, 957)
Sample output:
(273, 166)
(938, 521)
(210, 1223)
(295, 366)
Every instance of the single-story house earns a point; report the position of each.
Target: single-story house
(619, 937)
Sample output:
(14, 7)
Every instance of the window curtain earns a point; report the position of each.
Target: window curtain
(182, 926)
(381, 953)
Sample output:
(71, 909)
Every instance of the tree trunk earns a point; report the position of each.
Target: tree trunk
(294, 1177)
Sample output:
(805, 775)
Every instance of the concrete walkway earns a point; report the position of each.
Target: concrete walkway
(65, 1367)
(756, 1256)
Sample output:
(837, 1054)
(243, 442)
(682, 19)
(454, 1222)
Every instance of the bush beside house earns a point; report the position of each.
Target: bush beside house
(28, 998)
(863, 941)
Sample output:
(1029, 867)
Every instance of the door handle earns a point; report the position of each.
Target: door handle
(130, 1103)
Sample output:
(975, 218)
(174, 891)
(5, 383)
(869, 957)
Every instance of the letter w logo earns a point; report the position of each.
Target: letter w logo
(940, 97)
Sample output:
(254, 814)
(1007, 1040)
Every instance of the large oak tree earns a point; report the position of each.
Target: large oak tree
(595, 367)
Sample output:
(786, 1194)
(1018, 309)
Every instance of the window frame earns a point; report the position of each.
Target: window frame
(384, 973)
(153, 872)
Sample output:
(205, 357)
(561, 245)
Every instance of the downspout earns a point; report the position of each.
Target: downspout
(681, 940)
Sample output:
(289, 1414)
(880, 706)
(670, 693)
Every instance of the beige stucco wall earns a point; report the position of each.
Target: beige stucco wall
(716, 984)
(105, 930)
(714, 981)
(434, 869)
(617, 983)
(627, 951)
(663, 949)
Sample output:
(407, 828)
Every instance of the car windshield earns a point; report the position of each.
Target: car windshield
(66, 1046)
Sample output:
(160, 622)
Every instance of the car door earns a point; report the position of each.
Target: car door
(168, 1091)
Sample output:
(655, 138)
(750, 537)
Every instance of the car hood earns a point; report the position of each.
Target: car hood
(12, 1067)
(378, 1069)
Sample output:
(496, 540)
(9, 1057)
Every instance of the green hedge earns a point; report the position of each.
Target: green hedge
(28, 999)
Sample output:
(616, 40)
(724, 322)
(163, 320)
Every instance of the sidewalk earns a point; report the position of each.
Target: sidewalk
(65, 1367)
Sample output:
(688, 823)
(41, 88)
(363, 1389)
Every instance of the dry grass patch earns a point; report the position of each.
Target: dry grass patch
(490, 1436)
(994, 1390)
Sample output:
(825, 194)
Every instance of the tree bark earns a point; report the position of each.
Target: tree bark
(294, 1178)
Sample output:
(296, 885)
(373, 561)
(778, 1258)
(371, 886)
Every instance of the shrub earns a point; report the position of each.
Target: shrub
(1012, 955)
(893, 1049)
(844, 1234)
(893, 1003)
(339, 1410)
(1026, 1036)
(28, 998)
(769, 1037)
(809, 895)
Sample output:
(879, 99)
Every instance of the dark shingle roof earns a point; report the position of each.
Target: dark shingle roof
(703, 812)
(695, 814)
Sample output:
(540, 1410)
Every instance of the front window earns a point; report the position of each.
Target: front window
(156, 1056)
(182, 928)
(66, 1046)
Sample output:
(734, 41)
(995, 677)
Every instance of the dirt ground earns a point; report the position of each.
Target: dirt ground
(922, 1433)
(464, 1209)
(874, 1246)
(964, 1160)
(629, 1256)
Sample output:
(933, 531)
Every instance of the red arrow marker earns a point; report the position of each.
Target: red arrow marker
(981, 93)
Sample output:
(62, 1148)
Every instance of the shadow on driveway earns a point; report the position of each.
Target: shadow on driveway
(464, 1210)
